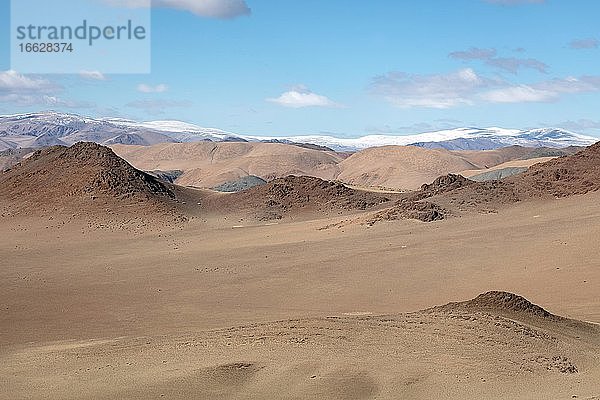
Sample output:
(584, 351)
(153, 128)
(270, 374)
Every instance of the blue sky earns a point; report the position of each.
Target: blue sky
(345, 67)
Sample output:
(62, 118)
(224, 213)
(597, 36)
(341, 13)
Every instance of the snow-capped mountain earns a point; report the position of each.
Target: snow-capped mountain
(455, 139)
(180, 131)
(52, 128)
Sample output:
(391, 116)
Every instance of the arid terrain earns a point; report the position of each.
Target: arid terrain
(206, 164)
(115, 284)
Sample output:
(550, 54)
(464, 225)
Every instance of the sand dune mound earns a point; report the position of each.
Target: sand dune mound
(293, 193)
(498, 301)
(81, 178)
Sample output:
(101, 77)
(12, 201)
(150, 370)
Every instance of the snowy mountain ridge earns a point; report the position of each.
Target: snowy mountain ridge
(49, 128)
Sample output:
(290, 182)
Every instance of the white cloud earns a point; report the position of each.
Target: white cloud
(466, 87)
(519, 94)
(429, 91)
(26, 90)
(93, 75)
(144, 88)
(12, 81)
(23, 100)
(22, 90)
(223, 9)
(300, 97)
(545, 91)
(571, 84)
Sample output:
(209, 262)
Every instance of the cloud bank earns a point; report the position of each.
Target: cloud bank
(466, 87)
(429, 91)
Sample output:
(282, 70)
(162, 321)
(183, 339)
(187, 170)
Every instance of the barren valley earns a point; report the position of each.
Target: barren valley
(300, 288)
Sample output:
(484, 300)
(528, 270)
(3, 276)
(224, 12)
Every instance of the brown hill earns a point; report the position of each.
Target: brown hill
(208, 164)
(408, 167)
(290, 195)
(561, 177)
(399, 167)
(86, 178)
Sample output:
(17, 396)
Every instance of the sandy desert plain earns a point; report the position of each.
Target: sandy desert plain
(117, 285)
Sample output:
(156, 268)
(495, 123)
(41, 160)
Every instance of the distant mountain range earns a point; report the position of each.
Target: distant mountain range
(456, 139)
(51, 128)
